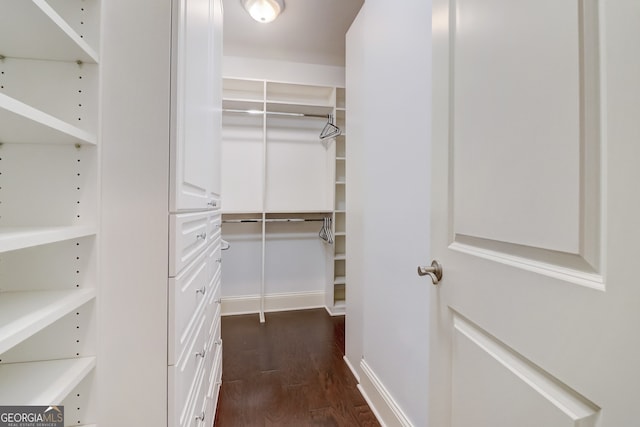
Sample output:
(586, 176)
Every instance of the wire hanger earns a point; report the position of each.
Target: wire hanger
(330, 130)
(325, 232)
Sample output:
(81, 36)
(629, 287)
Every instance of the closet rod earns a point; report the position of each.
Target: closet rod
(277, 113)
(237, 221)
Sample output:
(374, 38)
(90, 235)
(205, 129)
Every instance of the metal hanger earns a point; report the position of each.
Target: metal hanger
(330, 130)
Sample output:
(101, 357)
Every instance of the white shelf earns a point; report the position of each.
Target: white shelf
(340, 233)
(241, 212)
(340, 257)
(298, 212)
(300, 94)
(341, 158)
(299, 108)
(42, 383)
(243, 105)
(341, 183)
(340, 280)
(243, 90)
(55, 40)
(22, 314)
(14, 238)
(21, 123)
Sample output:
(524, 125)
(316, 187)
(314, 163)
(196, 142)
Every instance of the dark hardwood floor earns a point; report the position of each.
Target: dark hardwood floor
(288, 371)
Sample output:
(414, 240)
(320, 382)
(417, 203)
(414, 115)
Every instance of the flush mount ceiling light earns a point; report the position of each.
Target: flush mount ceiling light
(263, 10)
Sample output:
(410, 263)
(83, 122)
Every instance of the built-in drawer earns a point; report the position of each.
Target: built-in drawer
(186, 376)
(215, 381)
(190, 294)
(214, 304)
(215, 266)
(188, 236)
(199, 416)
(215, 257)
(196, 410)
(205, 413)
(214, 228)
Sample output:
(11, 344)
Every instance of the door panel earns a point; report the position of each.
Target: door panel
(507, 389)
(535, 140)
(516, 97)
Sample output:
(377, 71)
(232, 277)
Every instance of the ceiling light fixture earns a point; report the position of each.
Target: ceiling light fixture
(263, 10)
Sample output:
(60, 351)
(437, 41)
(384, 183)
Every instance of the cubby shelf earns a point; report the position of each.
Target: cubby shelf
(22, 314)
(21, 123)
(14, 238)
(339, 257)
(42, 383)
(339, 280)
(56, 39)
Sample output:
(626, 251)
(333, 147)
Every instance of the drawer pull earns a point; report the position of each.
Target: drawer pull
(202, 290)
(212, 203)
(218, 342)
(202, 353)
(218, 301)
(219, 260)
(201, 236)
(200, 417)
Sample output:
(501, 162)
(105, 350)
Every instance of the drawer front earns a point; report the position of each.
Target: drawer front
(199, 415)
(189, 295)
(205, 413)
(185, 377)
(215, 381)
(215, 271)
(188, 236)
(214, 227)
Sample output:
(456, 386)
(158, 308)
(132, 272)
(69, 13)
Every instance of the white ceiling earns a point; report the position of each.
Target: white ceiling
(308, 31)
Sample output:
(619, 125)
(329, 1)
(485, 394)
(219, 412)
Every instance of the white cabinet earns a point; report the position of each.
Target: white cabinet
(49, 180)
(160, 211)
(197, 115)
(195, 235)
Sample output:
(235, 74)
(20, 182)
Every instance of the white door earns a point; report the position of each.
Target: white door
(197, 111)
(536, 217)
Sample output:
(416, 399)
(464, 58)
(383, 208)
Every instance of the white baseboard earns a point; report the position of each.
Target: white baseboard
(380, 400)
(353, 370)
(250, 304)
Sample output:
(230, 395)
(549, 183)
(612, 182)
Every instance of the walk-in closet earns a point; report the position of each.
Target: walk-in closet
(283, 184)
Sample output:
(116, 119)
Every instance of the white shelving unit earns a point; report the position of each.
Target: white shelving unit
(48, 204)
(274, 167)
(337, 299)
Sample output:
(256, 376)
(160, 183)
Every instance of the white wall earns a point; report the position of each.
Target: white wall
(388, 104)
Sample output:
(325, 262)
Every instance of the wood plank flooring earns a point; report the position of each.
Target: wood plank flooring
(288, 371)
